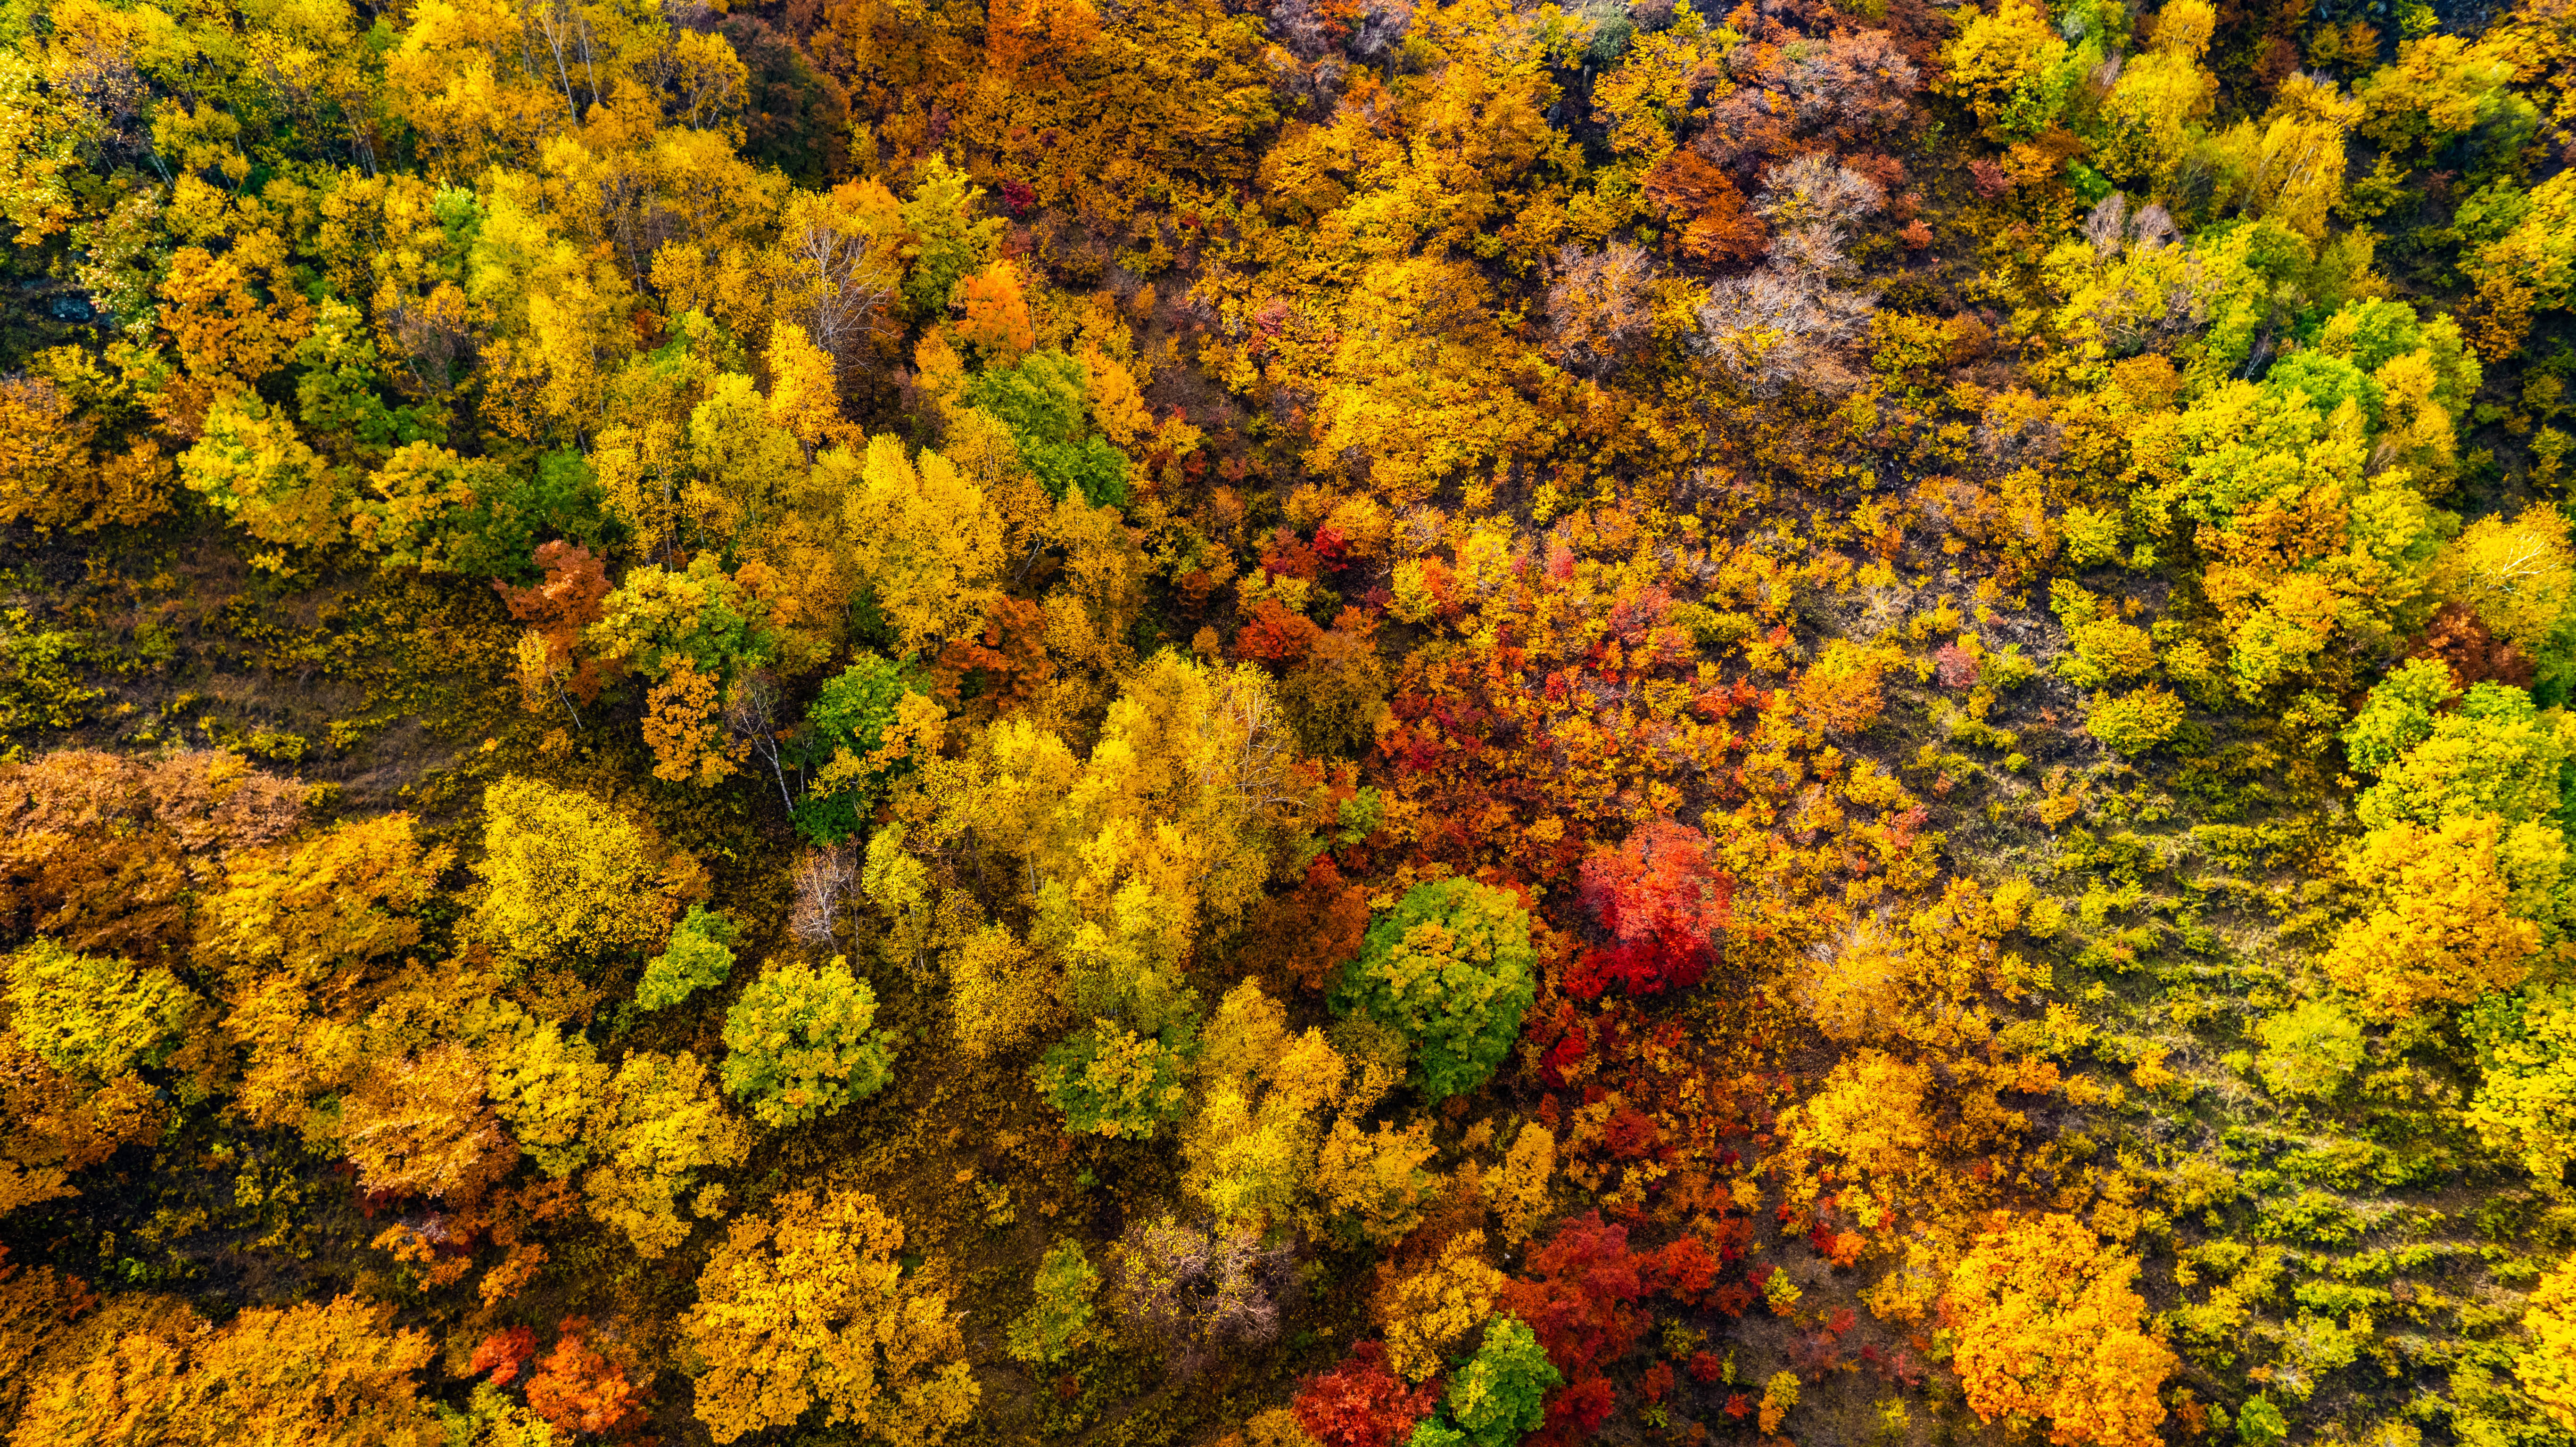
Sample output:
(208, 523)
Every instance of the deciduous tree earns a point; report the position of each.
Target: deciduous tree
(2048, 1327)
(567, 877)
(1451, 966)
(806, 1305)
(799, 1044)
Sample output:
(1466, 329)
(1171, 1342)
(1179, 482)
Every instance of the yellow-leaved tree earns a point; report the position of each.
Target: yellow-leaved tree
(809, 1306)
(2443, 928)
(1429, 1313)
(1375, 1184)
(1170, 828)
(565, 875)
(308, 936)
(2517, 576)
(149, 1369)
(924, 540)
(1251, 1147)
(663, 1125)
(2548, 1367)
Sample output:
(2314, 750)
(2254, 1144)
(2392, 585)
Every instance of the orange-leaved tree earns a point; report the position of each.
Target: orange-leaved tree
(149, 1369)
(2048, 1327)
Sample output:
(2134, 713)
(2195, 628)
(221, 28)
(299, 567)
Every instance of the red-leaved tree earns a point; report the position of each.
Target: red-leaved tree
(1663, 900)
(579, 1389)
(1360, 1403)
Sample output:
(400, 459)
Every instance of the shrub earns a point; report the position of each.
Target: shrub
(2309, 1049)
(2134, 722)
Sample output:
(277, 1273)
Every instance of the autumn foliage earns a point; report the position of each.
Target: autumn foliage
(1327, 723)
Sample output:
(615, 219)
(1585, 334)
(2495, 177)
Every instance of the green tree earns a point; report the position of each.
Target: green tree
(698, 957)
(2497, 754)
(798, 1044)
(1042, 400)
(843, 732)
(1108, 1080)
(337, 394)
(2398, 714)
(1059, 1323)
(1499, 1397)
(1451, 967)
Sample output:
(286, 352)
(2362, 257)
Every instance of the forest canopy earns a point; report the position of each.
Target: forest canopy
(1287, 723)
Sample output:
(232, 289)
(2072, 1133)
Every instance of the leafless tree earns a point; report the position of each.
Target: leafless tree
(438, 343)
(1598, 309)
(839, 277)
(2112, 228)
(827, 886)
(751, 712)
(1197, 1291)
(1787, 321)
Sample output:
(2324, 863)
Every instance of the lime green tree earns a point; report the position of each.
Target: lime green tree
(92, 1017)
(1500, 1396)
(698, 957)
(1059, 1323)
(798, 1044)
(1451, 967)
